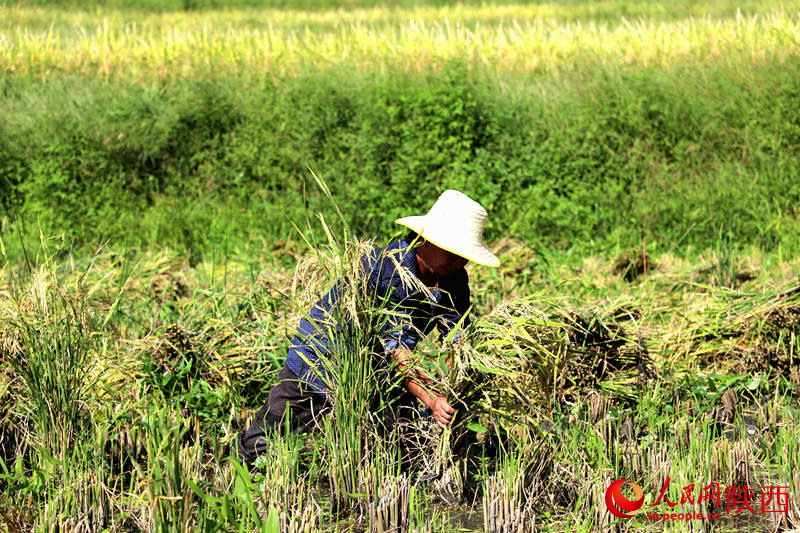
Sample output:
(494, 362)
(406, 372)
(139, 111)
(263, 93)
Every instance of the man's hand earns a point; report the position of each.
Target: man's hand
(442, 411)
(420, 386)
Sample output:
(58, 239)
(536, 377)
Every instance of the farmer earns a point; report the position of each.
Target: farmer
(435, 251)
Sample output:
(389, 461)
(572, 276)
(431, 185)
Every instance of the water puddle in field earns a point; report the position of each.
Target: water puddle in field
(752, 523)
(461, 519)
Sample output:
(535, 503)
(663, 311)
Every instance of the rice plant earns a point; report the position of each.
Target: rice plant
(667, 376)
(390, 511)
(506, 506)
(276, 497)
(788, 473)
(284, 43)
(53, 352)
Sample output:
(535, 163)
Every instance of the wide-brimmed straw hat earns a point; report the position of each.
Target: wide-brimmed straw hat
(455, 223)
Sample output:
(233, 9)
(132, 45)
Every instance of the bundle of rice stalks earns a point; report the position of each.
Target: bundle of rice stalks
(775, 335)
(530, 354)
(734, 331)
(600, 354)
(507, 369)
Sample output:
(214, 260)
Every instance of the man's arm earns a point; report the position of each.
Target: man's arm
(421, 386)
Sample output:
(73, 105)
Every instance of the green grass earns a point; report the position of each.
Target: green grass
(601, 160)
(195, 130)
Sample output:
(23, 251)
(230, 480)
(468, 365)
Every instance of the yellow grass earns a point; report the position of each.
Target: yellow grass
(275, 43)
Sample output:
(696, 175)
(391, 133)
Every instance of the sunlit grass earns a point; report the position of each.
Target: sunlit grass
(612, 11)
(523, 39)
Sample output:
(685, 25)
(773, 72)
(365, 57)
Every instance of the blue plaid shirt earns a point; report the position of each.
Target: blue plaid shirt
(411, 312)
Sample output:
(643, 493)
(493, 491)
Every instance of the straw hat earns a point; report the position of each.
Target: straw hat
(455, 223)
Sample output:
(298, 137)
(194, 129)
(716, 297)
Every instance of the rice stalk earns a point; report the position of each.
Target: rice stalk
(213, 43)
(51, 350)
(390, 511)
(506, 504)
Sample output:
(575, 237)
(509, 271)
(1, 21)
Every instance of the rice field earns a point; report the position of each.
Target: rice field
(516, 39)
(127, 371)
(127, 376)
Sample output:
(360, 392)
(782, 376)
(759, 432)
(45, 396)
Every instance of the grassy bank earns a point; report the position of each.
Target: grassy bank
(605, 158)
(581, 131)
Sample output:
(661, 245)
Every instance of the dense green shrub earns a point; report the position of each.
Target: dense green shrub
(605, 158)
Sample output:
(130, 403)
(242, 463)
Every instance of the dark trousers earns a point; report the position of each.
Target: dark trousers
(304, 409)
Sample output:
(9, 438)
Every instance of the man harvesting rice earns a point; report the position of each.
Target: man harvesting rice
(434, 253)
